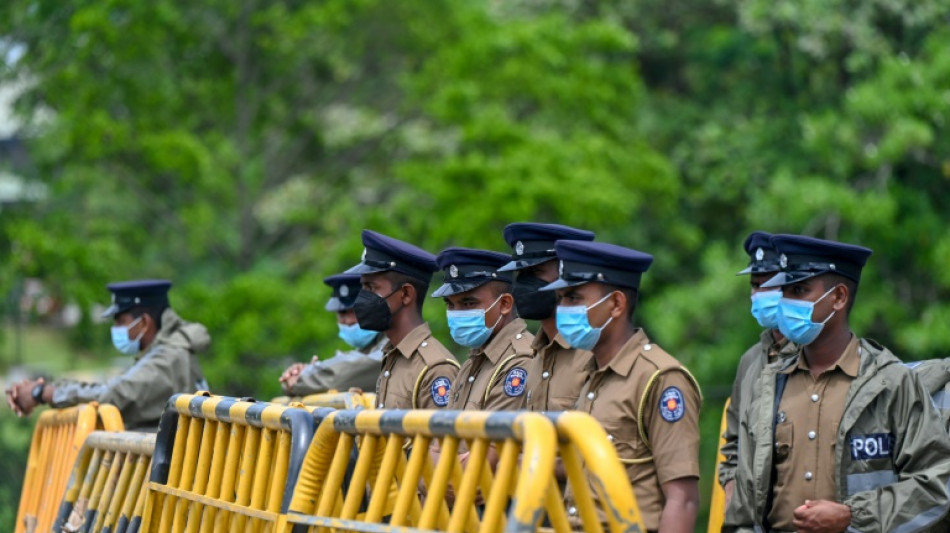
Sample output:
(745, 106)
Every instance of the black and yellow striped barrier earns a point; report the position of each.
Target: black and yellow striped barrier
(57, 439)
(387, 480)
(224, 464)
(332, 399)
(717, 503)
(601, 492)
(106, 491)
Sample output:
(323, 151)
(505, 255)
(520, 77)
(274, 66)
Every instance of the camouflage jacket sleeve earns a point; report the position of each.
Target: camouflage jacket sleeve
(341, 372)
(918, 497)
(140, 392)
(730, 445)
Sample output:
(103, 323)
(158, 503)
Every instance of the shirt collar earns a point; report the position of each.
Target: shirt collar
(541, 341)
(410, 343)
(502, 340)
(622, 363)
(849, 362)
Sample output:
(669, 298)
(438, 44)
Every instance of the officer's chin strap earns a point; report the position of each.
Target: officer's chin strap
(780, 380)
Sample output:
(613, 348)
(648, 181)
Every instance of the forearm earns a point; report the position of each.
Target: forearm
(679, 515)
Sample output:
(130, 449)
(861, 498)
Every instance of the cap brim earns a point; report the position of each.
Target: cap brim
(363, 268)
(518, 264)
(746, 270)
(110, 311)
(457, 287)
(752, 270)
(561, 284)
(788, 278)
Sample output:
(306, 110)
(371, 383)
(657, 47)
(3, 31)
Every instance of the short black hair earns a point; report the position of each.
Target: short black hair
(499, 287)
(398, 279)
(831, 280)
(632, 295)
(154, 311)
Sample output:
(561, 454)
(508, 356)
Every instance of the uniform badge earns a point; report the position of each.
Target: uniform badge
(454, 271)
(519, 247)
(515, 381)
(560, 268)
(363, 257)
(440, 391)
(344, 291)
(672, 405)
(783, 261)
(759, 254)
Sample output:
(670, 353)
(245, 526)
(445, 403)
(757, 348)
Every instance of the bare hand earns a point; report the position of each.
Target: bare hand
(20, 396)
(821, 516)
(290, 376)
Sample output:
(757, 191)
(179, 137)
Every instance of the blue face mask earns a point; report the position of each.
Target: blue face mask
(468, 327)
(355, 336)
(794, 319)
(121, 340)
(574, 326)
(765, 308)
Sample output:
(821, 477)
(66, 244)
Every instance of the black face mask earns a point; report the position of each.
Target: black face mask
(530, 302)
(372, 311)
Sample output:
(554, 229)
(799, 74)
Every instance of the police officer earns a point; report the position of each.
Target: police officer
(166, 362)
(772, 345)
(597, 290)
(418, 371)
(557, 372)
(357, 368)
(840, 436)
(481, 316)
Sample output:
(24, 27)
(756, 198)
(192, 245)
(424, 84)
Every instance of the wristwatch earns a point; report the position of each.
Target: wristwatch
(38, 392)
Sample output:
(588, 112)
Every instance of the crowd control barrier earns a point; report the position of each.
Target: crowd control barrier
(106, 491)
(717, 502)
(57, 439)
(601, 493)
(341, 400)
(224, 464)
(381, 490)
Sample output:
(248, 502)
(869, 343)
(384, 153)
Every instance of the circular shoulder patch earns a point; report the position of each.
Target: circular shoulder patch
(440, 391)
(672, 405)
(515, 381)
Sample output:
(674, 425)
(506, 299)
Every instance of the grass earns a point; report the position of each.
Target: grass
(44, 350)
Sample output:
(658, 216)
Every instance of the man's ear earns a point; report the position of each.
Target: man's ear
(618, 303)
(408, 294)
(841, 297)
(506, 303)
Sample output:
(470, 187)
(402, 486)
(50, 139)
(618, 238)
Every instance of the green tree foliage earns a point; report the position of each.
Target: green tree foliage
(239, 147)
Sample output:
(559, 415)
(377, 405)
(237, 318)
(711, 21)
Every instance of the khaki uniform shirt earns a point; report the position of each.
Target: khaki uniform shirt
(753, 361)
(555, 374)
(168, 366)
(612, 395)
(805, 434)
(418, 373)
(494, 377)
(345, 370)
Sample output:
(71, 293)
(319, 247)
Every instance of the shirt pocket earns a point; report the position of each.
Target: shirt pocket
(784, 435)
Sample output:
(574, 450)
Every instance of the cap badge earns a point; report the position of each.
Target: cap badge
(519, 248)
(454, 271)
(363, 257)
(344, 290)
(759, 254)
(560, 268)
(783, 261)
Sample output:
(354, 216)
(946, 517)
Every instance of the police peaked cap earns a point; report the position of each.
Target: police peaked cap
(582, 262)
(763, 258)
(465, 269)
(140, 293)
(533, 243)
(382, 254)
(345, 288)
(804, 257)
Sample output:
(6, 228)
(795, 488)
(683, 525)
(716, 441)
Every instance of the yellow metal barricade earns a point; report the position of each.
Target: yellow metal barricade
(223, 464)
(590, 462)
(106, 491)
(57, 439)
(499, 483)
(717, 502)
(341, 400)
